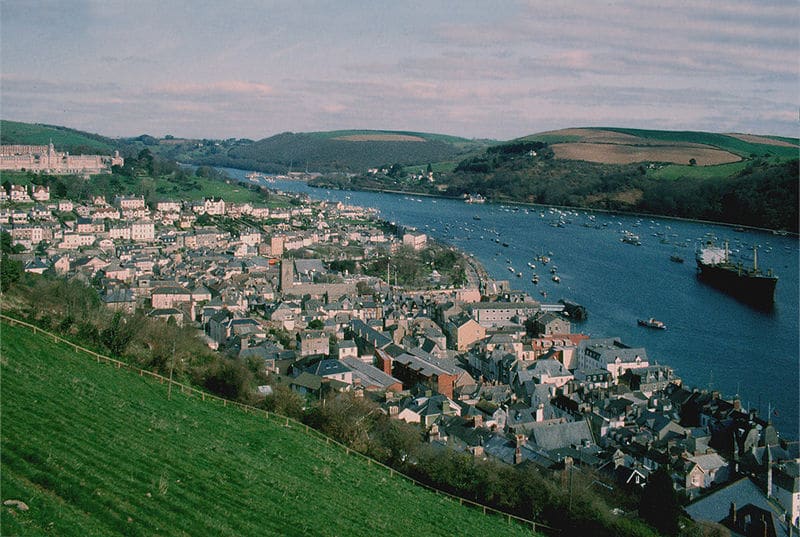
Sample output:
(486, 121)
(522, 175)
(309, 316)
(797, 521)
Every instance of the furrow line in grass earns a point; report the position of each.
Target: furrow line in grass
(101, 474)
(52, 485)
(98, 457)
(46, 511)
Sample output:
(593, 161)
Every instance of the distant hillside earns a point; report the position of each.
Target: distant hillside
(736, 178)
(739, 179)
(352, 151)
(64, 139)
(95, 450)
(613, 145)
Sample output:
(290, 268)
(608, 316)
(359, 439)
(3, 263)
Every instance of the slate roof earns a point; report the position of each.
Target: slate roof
(425, 367)
(708, 461)
(308, 381)
(560, 435)
(370, 334)
(503, 449)
(158, 312)
(330, 367)
(307, 266)
(715, 506)
(550, 367)
(171, 291)
(607, 350)
(35, 264)
(369, 375)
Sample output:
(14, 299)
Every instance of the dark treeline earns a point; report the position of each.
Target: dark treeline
(72, 308)
(763, 194)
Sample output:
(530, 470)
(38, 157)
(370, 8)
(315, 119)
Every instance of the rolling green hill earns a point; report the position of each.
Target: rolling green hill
(614, 145)
(722, 141)
(64, 139)
(353, 151)
(95, 450)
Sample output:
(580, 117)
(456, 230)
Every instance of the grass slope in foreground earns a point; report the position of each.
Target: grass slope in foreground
(95, 450)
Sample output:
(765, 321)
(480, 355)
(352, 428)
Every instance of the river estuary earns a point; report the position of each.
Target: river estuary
(712, 340)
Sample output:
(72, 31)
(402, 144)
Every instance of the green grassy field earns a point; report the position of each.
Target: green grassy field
(96, 450)
(722, 141)
(209, 188)
(552, 138)
(14, 132)
(437, 167)
(426, 135)
(795, 141)
(678, 171)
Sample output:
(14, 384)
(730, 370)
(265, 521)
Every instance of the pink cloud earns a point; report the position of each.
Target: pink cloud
(238, 87)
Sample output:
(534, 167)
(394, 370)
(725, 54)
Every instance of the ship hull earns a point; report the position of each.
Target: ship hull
(754, 289)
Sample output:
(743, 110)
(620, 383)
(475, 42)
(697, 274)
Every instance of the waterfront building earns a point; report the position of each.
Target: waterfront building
(45, 158)
(612, 355)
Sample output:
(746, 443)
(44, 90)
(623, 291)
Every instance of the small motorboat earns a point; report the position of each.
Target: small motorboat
(652, 323)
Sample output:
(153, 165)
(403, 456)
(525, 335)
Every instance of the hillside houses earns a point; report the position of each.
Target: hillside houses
(496, 375)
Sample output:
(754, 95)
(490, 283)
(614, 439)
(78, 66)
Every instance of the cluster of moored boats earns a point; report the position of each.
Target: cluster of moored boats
(544, 260)
(735, 278)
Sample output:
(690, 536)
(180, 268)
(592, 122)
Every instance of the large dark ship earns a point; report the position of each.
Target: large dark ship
(748, 284)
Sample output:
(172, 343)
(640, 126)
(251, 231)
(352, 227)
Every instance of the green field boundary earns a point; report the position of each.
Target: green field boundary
(724, 142)
(286, 422)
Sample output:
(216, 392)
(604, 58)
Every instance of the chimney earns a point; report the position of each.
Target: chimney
(385, 361)
(540, 413)
(769, 476)
(732, 514)
(737, 404)
(478, 420)
(520, 439)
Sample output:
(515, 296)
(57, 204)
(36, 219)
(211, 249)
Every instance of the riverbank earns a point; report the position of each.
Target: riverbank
(503, 201)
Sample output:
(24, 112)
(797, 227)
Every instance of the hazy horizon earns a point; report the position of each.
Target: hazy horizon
(254, 69)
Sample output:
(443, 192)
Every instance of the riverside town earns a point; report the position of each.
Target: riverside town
(393, 344)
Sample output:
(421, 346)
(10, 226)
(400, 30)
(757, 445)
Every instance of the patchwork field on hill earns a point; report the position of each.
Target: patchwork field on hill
(626, 146)
(619, 153)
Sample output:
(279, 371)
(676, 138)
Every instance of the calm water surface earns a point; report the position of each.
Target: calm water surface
(712, 340)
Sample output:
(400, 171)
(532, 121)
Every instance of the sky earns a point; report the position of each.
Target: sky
(477, 69)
